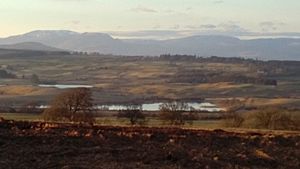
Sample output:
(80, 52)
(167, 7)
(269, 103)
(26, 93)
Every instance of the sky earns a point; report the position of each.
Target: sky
(157, 19)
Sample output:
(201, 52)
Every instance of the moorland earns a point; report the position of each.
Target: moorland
(121, 79)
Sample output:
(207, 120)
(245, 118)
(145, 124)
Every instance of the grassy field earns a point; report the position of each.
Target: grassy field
(114, 121)
(130, 79)
(21, 116)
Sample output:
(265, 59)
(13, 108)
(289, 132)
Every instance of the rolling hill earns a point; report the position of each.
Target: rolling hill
(34, 46)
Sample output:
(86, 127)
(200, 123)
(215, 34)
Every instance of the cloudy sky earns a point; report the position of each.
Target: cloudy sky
(153, 18)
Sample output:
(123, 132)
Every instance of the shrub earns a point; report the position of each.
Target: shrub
(272, 118)
(264, 118)
(233, 119)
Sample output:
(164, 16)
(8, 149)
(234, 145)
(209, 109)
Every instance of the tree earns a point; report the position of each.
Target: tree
(134, 114)
(176, 113)
(35, 79)
(74, 105)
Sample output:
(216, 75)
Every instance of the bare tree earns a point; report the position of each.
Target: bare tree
(134, 114)
(176, 113)
(74, 105)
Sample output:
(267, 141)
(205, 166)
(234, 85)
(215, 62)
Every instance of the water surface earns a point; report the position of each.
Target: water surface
(155, 107)
(65, 86)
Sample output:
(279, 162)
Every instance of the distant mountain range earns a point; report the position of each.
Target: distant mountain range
(209, 45)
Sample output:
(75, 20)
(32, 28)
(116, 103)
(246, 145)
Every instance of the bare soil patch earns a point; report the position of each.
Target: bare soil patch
(72, 146)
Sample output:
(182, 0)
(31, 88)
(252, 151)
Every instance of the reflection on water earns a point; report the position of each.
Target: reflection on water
(60, 86)
(155, 107)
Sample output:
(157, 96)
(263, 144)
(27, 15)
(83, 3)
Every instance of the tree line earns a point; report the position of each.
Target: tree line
(76, 105)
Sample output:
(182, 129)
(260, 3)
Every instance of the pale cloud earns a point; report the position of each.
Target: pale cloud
(200, 27)
(73, 0)
(144, 9)
(170, 34)
(270, 26)
(75, 22)
(147, 34)
(169, 11)
(156, 27)
(231, 27)
(176, 26)
(208, 26)
(108, 15)
(218, 1)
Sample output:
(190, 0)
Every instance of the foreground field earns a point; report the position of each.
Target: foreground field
(44, 145)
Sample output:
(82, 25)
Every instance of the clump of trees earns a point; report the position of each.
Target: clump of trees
(74, 105)
(6, 75)
(134, 114)
(35, 79)
(265, 118)
(272, 118)
(176, 113)
(178, 57)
